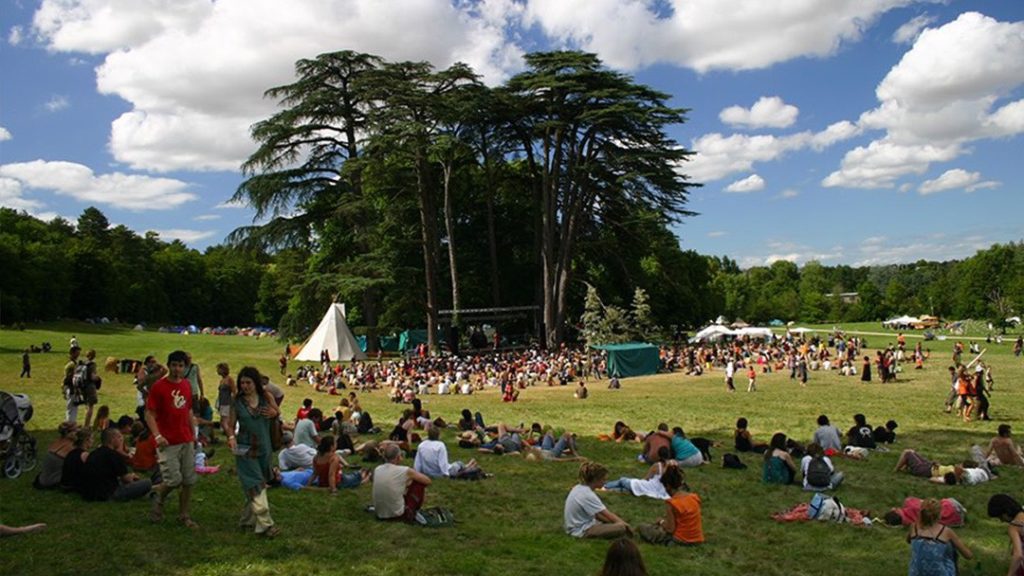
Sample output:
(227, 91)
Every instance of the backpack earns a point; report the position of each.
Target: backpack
(733, 461)
(826, 508)
(818, 473)
(80, 376)
(436, 517)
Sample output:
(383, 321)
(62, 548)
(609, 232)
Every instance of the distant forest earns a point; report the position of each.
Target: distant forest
(88, 269)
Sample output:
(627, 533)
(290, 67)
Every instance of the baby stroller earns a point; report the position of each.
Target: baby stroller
(17, 447)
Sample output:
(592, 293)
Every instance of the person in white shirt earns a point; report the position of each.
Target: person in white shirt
(294, 455)
(306, 430)
(585, 516)
(730, 371)
(432, 458)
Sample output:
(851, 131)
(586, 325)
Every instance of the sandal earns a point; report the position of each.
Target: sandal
(271, 532)
(188, 522)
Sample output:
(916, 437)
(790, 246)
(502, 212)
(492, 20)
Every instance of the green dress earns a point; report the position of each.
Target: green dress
(254, 432)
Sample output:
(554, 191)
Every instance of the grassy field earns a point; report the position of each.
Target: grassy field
(511, 524)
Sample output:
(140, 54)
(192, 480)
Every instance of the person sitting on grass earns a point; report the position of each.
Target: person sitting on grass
(328, 469)
(398, 491)
(861, 434)
(682, 523)
(1006, 508)
(144, 459)
(684, 451)
(934, 547)
(653, 443)
(744, 442)
(53, 462)
(293, 456)
(623, 559)
(585, 516)
(1002, 449)
(650, 485)
(432, 459)
(106, 476)
(779, 467)
(818, 471)
(71, 473)
(827, 436)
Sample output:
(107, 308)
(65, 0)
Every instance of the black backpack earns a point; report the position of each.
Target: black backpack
(818, 473)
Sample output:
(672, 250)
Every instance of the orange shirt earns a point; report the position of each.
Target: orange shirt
(145, 454)
(686, 513)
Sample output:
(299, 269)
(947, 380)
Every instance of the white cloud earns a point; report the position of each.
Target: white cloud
(56, 103)
(751, 183)
(956, 179)
(206, 217)
(14, 37)
(912, 29)
(127, 191)
(185, 235)
(789, 193)
(718, 156)
(717, 234)
(195, 71)
(229, 205)
(11, 196)
(706, 34)
(5, 134)
(767, 112)
(945, 92)
(950, 180)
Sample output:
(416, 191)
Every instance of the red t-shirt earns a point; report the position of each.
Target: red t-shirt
(171, 403)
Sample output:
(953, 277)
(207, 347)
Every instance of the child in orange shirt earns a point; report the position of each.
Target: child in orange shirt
(682, 523)
(751, 379)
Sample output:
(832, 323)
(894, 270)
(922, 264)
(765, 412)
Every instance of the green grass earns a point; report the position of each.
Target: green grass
(512, 523)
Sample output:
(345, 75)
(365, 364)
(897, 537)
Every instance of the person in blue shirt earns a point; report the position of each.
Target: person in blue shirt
(684, 451)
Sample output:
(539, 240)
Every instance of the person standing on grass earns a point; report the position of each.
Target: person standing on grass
(585, 516)
(172, 422)
(70, 393)
(730, 372)
(195, 380)
(90, 389)
(751, 379)
(253, 409)
(26, 365)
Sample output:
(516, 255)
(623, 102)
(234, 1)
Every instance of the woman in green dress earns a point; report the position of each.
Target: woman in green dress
(253, 409)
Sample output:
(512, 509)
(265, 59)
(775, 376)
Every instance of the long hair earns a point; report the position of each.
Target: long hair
(254, 375)
(623, 559)
(778, 442)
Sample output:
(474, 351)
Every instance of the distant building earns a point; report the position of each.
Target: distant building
(845, 297)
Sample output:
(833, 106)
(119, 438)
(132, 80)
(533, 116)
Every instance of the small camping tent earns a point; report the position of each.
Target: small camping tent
(334, 336)
(631, 359)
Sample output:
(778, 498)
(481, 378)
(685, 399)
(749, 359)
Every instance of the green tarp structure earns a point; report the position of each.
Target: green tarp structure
(412, 338)
(631, 359)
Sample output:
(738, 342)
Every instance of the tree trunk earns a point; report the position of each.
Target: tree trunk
(492, 238)
(428, 236)
(449, 226)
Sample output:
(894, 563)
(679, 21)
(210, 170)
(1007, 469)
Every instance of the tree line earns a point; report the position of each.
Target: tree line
(88, 269)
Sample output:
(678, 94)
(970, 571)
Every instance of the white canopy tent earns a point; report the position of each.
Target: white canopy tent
(334, 336)
(905, 321)
(800, 330)
(754, 332)
(713, 332)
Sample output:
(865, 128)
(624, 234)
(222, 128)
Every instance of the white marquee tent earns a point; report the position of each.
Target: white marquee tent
(334, 336)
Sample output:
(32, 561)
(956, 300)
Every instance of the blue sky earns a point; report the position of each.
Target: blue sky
(847, 131)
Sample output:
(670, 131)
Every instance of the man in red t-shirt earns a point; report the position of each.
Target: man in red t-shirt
(172, 423)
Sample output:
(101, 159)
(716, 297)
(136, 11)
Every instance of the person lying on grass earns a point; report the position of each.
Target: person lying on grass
(682, 523)
(328, 469)
(585, 516)
(951, 513)
(563, 449)
(651, 484)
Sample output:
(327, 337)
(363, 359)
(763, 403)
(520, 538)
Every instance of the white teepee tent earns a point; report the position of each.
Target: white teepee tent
(334, 336)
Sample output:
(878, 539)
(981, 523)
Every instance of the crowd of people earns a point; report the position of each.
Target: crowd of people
(163, 449)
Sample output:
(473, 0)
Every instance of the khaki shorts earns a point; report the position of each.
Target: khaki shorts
(89, 394)
(178, 464)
